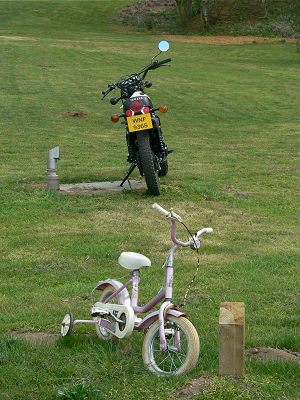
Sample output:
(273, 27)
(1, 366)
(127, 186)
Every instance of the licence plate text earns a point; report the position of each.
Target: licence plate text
(139, 122)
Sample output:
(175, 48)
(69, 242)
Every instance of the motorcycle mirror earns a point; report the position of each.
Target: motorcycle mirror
(163, 45)
(114, 100)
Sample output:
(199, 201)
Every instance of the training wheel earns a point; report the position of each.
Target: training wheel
(67, 325)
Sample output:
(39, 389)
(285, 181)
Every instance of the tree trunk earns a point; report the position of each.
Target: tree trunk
(204, 14)
(264, 4)
(185, 11)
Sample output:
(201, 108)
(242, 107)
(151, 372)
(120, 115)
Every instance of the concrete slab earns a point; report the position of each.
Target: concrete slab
(95, 187)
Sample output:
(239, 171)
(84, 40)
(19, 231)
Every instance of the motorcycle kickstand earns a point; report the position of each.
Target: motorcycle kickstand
(128, 174)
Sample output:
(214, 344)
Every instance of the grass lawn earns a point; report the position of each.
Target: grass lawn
(234, 124)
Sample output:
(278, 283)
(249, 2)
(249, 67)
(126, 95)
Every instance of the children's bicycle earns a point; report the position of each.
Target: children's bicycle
(171, 344)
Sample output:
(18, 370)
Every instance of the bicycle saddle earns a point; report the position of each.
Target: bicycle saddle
(133, 261)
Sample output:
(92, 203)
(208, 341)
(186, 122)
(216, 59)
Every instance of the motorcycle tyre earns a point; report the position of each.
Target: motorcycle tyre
(147, 162)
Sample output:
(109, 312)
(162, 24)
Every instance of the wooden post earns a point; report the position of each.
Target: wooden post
(232, 339)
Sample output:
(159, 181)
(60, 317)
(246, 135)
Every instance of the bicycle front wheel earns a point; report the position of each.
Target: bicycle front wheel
(182, 351)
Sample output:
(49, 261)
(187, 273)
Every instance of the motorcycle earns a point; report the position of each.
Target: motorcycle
(147, 149)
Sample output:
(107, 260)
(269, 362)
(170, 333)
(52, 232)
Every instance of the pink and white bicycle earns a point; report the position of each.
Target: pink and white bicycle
(171, 344)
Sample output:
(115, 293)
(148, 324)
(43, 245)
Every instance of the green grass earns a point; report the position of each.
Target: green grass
(234, 125)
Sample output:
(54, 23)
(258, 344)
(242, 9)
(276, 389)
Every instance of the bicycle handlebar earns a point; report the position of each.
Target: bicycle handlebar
(175, 217)
(160, 209)
(168, 214)
(203, 230)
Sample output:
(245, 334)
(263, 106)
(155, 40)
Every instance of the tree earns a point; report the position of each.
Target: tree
(204, 12)
(188, 8)
(264, 4)
(185, 9)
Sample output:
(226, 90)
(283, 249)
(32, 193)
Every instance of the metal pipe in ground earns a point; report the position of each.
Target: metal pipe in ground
(52, 177)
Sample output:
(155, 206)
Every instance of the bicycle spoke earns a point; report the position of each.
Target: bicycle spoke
(159, 364)
(171, 362)
(170, 369)
(180, 359)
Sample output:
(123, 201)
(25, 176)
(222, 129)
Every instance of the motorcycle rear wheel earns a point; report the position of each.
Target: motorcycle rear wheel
(147, 160)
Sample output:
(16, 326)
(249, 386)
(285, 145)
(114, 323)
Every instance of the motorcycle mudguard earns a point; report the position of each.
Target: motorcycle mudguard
(138, 96)
(124, 297)
(154, 316)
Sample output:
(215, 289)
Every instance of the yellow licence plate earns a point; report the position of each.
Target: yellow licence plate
(139, 122)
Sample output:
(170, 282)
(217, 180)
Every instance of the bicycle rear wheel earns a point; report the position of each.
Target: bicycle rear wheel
(182, 352)
(102, 333)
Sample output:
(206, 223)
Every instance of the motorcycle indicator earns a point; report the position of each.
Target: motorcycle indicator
(115, 118)
(163, 108)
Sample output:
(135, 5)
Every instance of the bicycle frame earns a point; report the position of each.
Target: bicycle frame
(168, 332)
(167, 307)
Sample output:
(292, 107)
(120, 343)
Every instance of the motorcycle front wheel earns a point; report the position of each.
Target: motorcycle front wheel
(182, 351)
(147, 160)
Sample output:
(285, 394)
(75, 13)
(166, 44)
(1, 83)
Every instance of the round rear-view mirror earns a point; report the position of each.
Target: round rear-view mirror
(163, 45)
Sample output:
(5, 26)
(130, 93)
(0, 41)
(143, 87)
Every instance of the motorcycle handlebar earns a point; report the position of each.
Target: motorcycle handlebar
(154, 65)
(109, 89)
(157, 64)
(163, 62)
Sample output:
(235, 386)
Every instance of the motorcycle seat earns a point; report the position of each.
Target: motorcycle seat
(133, 261)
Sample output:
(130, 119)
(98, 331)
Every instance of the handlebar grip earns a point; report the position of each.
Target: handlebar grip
(203, 230)
(161, 210)
(105, 93)
(163, 62)
(109, 88)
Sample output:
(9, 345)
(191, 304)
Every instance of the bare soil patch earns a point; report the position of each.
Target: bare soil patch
(2, 37)
(92, 188)
(270, 354)
(225, 40)
(193, 388)
(196, 386)
(35, 337)
(77, 114)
